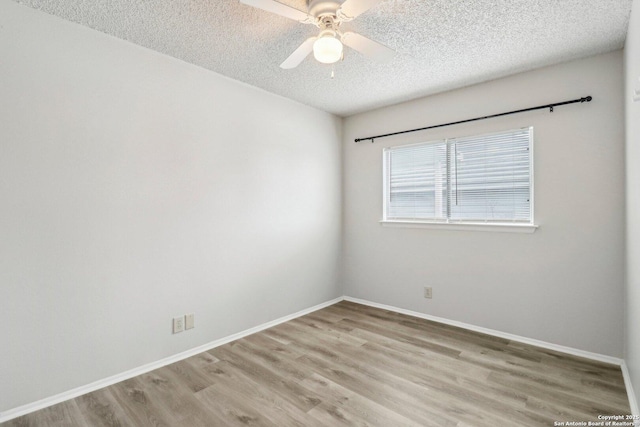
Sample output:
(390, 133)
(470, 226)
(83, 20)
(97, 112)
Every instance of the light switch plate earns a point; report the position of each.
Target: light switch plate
(189, 321)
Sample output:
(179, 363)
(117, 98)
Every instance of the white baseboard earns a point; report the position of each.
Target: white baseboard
(550, 346)
(633, 402)
(61, 397)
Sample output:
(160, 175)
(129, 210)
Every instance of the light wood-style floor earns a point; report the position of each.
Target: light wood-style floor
(352, 365)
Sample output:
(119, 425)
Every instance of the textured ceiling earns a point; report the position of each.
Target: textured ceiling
(440, 44)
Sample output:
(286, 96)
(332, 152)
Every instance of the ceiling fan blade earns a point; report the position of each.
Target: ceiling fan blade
(299, 54)
(279, 9)
(367, 46)
(352, 8)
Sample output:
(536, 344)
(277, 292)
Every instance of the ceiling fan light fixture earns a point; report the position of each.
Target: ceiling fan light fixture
(327, 48)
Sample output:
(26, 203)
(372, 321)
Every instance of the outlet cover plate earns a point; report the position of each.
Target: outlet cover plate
(178, 324)
(428, 292)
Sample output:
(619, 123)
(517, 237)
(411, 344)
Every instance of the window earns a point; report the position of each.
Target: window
(478, 179)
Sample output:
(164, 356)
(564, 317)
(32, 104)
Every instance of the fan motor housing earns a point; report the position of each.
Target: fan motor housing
(323, 7)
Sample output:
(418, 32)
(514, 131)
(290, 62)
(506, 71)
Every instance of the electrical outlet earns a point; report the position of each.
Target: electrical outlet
(427, 292)
(188, 321)
(178, 324)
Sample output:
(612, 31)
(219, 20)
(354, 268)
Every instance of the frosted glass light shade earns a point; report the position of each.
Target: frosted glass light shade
(327, 49)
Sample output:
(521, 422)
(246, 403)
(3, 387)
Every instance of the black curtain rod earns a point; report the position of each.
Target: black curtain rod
(549, 106)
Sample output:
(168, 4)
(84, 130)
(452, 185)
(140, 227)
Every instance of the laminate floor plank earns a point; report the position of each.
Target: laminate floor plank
(463, 390)
(201, 360)
(281, 363)
(585, 403)
(65, 414)
(354, 365)
(395, 397)
(272, 406)
(190, 375)
(231, 408)
(403, 335)
(139, 407)
(359, 311)
(101, 409)
(579, 367)
(448, 366)
(162, 385)
(432, 374)
(386, 397)
(429, 336)
(467, 403)
(289, 390)
(539, 379)
(324, 317)
(296, 330)
(268, 344)
(341, 406)
(583, 368)
(335, 335)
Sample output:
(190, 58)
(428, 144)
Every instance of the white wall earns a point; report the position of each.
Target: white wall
(134, 188)
(632, 80)
(564, 283)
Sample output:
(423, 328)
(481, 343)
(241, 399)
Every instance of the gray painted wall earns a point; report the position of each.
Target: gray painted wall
(632, 79)
(564, 283)
(135, 187)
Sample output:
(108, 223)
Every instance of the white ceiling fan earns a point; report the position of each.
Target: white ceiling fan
(327, 15)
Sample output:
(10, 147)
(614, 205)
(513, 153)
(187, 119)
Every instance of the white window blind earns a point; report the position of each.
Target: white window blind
(486, 178)
(418, 181)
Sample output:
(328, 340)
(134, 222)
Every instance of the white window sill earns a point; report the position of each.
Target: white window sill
(469, 226)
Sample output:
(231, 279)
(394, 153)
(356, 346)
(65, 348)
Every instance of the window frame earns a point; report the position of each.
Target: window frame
(447, 223)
